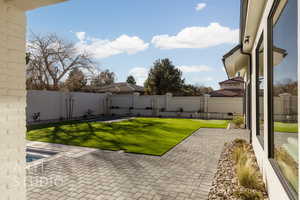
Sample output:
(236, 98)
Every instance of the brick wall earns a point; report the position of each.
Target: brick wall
(12, 102)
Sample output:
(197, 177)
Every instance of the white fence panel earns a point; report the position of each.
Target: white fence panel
(122, 101)
(53, 105)
(189, 104)
(225, 105)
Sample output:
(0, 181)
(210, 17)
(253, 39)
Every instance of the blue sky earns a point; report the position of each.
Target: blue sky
(127, 36)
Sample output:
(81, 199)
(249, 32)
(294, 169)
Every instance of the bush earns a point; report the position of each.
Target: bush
(240, 142)
(248, 177)
(248, 195)
(238, 121)
(240, 156)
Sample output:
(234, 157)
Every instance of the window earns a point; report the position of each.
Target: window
(260, 90)
(284, 90)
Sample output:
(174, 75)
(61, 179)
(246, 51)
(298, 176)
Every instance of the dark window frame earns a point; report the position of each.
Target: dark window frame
(288, 188)
(257, 90)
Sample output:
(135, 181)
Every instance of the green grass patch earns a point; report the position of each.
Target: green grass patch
(286, 127)
(153, 136)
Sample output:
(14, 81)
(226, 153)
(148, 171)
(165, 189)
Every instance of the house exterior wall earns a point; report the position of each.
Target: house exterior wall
(12, 102)
(274, 185)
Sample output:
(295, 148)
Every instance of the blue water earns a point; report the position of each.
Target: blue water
(31, 158)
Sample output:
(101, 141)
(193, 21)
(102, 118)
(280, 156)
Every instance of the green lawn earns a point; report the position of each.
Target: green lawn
(153, 136)
(286, 127)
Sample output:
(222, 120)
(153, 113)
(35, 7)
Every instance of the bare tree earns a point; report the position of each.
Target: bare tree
(50, 59)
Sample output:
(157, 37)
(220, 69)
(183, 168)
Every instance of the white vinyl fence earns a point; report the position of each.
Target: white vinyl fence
(169, 106)
(59, 105)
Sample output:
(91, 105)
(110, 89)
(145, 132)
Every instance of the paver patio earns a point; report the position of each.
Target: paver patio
(185, 172)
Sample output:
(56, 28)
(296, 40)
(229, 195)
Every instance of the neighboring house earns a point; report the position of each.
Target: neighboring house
(233, 87)
(267, 58)
(121, 88)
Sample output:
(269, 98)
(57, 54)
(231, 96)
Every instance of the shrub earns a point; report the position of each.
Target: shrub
(240, 142)
(238, 121)
(248, 195)
(248, 176)
(240, 156)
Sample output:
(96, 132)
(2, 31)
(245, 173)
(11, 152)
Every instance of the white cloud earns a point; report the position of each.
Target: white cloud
(140, 74)
(194, 68)
(100, 48)
(200, 6)
(200, 80)
(81, 35)
(198, 37)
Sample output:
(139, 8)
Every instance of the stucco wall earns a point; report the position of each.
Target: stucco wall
(12, 102)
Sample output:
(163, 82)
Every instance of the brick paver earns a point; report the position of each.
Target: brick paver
(184, 173)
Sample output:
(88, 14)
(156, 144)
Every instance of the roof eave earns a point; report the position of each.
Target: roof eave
(32, 4)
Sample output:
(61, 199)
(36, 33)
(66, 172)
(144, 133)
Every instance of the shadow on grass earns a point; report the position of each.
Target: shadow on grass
(95, 134)
(147, 136)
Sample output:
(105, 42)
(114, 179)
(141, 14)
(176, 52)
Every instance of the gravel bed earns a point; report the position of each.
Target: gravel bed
(225, 183)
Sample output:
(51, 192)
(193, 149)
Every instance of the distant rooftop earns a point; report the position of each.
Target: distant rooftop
(121, 88)
(233, 80)
(230, 88)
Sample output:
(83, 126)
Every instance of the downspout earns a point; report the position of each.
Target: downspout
(246, 88)
(242, 23)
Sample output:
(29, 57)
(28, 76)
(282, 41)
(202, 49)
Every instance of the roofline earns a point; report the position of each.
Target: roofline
(26, 5)
(232, 51)
(243, 16)
(223, 60)
(239, 81)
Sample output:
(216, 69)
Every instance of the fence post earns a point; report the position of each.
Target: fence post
(168, 99)
(135, 97)
(206, 99)
(108, 103)
(286, 104)
(155, 106)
